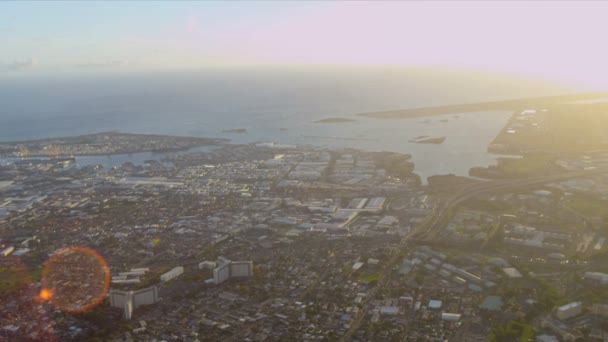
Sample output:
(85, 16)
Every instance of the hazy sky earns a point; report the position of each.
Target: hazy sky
(560, 40)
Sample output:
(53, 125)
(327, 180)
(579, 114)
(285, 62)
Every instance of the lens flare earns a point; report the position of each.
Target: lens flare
(45, 294)
(75, 279)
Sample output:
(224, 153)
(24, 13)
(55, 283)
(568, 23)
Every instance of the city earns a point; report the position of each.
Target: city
(346, 171)
(267, 241)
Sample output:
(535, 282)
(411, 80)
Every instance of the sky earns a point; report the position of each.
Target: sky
(559, 40)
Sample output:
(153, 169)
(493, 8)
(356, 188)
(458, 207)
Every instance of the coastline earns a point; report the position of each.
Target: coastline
(513, 104)
(114, 143)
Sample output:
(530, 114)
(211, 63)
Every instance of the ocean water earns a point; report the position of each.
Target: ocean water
(274, 105)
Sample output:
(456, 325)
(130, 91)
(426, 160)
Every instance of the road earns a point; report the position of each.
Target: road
(435, 222)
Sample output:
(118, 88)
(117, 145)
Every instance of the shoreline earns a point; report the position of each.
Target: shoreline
(113, 143)
(116, 133)
(513, 104)
(66, 156)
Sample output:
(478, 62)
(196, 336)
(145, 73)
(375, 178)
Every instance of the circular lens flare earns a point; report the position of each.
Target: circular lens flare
(75, 279)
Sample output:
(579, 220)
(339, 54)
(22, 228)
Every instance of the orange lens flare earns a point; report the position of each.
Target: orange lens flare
(45, 294)
(75, 279)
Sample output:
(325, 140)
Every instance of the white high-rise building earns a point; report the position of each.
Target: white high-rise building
(128, 301)
(221, 273)
(241, 269)
(227, 269)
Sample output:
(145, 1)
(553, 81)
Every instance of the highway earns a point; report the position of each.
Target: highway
(430, 228)
(434, 222)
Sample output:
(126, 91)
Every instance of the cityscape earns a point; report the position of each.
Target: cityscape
(267, 241)
(256, 171)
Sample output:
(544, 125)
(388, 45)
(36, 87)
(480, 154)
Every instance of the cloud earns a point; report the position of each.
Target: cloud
(117, 63)
(20, 64)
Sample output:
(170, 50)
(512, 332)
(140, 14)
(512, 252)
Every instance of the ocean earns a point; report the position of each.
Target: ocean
(278, 105)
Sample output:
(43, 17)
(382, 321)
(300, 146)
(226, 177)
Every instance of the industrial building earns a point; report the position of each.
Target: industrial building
(357, 203)
(375, 204)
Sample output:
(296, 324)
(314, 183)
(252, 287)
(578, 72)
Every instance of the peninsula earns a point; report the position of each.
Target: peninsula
(104, 143)
(513, 104)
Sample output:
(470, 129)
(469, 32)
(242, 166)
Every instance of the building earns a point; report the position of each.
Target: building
(343, 217)
(435, 304)
(118, 298)
(375, 204)
(491, 303)
(123, 277)
(126, 281)
(569, 310)
(207, 265)
(175, 272)
(221, 273)
(132, 273)
(227, 269)
(600, 309)
(241, 269)
(145, 296)
(512, 272)
(128, 301)
(357, 265)
(597, 277)
(468, 276)
(546, 338)
(7, 251)
(450, 317)
(389, 310)
(560, 329)
(21, 251)
(357, 203)
(373, 262)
